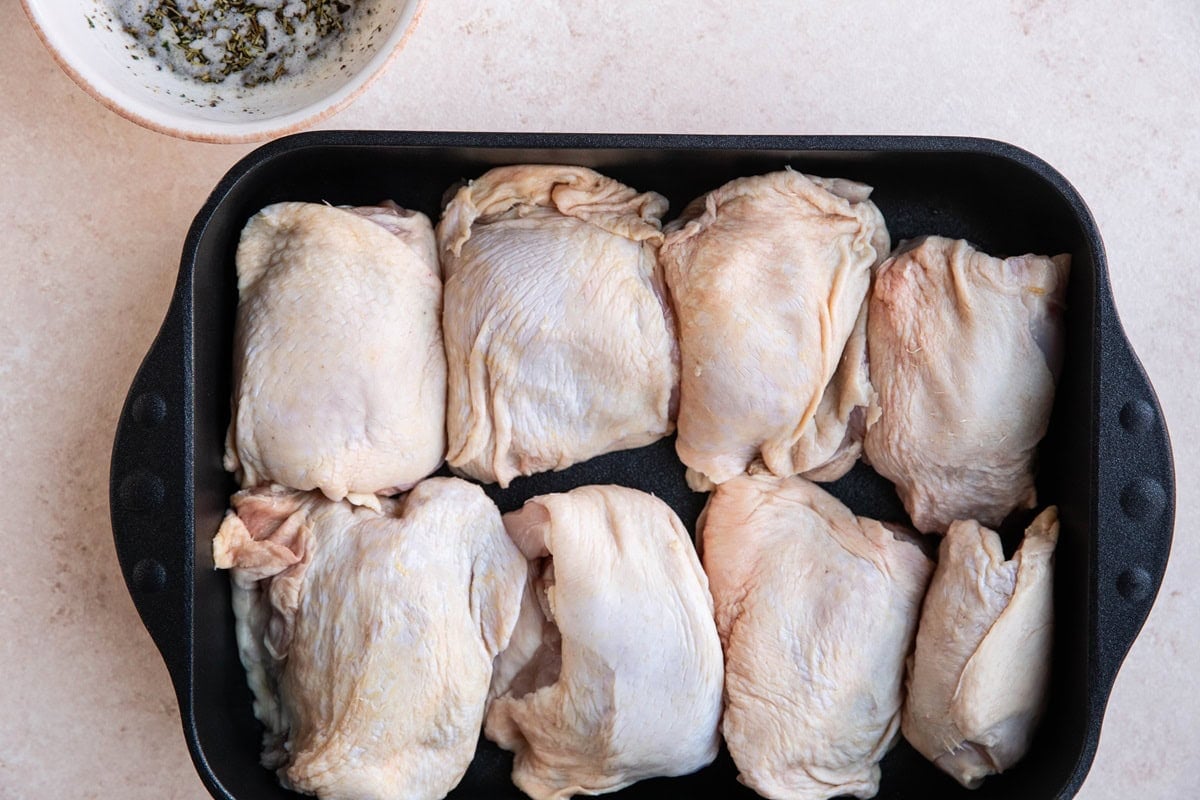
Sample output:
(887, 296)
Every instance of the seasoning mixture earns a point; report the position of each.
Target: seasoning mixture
(248, 41)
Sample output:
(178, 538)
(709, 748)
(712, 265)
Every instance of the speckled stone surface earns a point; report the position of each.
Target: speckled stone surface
(95, 210)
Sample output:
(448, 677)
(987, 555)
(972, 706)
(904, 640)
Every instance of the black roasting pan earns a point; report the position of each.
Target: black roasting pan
(1106, 461)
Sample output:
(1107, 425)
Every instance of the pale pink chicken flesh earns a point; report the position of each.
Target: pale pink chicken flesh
(769, 277)
(978, 681)
(339, 371)
(368, 637)
(559, 338)
(614, 672)
(817, 610)
(965, 351)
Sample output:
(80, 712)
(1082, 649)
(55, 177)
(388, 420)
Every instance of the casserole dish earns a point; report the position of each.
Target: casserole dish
(1106, 461)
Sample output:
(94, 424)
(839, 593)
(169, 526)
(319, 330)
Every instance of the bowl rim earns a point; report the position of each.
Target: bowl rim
(298, 120)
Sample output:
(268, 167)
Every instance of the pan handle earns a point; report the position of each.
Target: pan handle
(150, 489)
(1136, 490)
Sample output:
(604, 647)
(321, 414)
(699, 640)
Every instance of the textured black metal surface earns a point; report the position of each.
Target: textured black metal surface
(1106, 461)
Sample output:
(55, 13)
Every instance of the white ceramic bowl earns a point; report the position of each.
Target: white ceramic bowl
(89, 43)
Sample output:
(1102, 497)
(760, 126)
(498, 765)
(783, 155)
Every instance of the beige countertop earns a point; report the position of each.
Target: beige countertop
(95, 210)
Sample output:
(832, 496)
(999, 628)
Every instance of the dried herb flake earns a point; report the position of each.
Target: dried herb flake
(200, 28)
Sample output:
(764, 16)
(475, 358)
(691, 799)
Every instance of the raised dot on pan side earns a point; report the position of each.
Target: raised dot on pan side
(1143, 499)
(1134, 584)
(149, 576)
(141, 491)
(1137, 416)
(149, 409)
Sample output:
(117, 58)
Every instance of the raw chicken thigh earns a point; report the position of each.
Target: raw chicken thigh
(769, 278)
(965, 351)
(368, 637)
(560, 342)
(977, 683)
(339, 371)
(614, 672)
(817, 610)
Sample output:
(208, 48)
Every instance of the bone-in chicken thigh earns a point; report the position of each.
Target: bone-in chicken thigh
(816, 610)
(769, 276)
(614, 671)
(368, 637)
(339, 371)
(559, 339)
(978, 679)
(965, 351)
